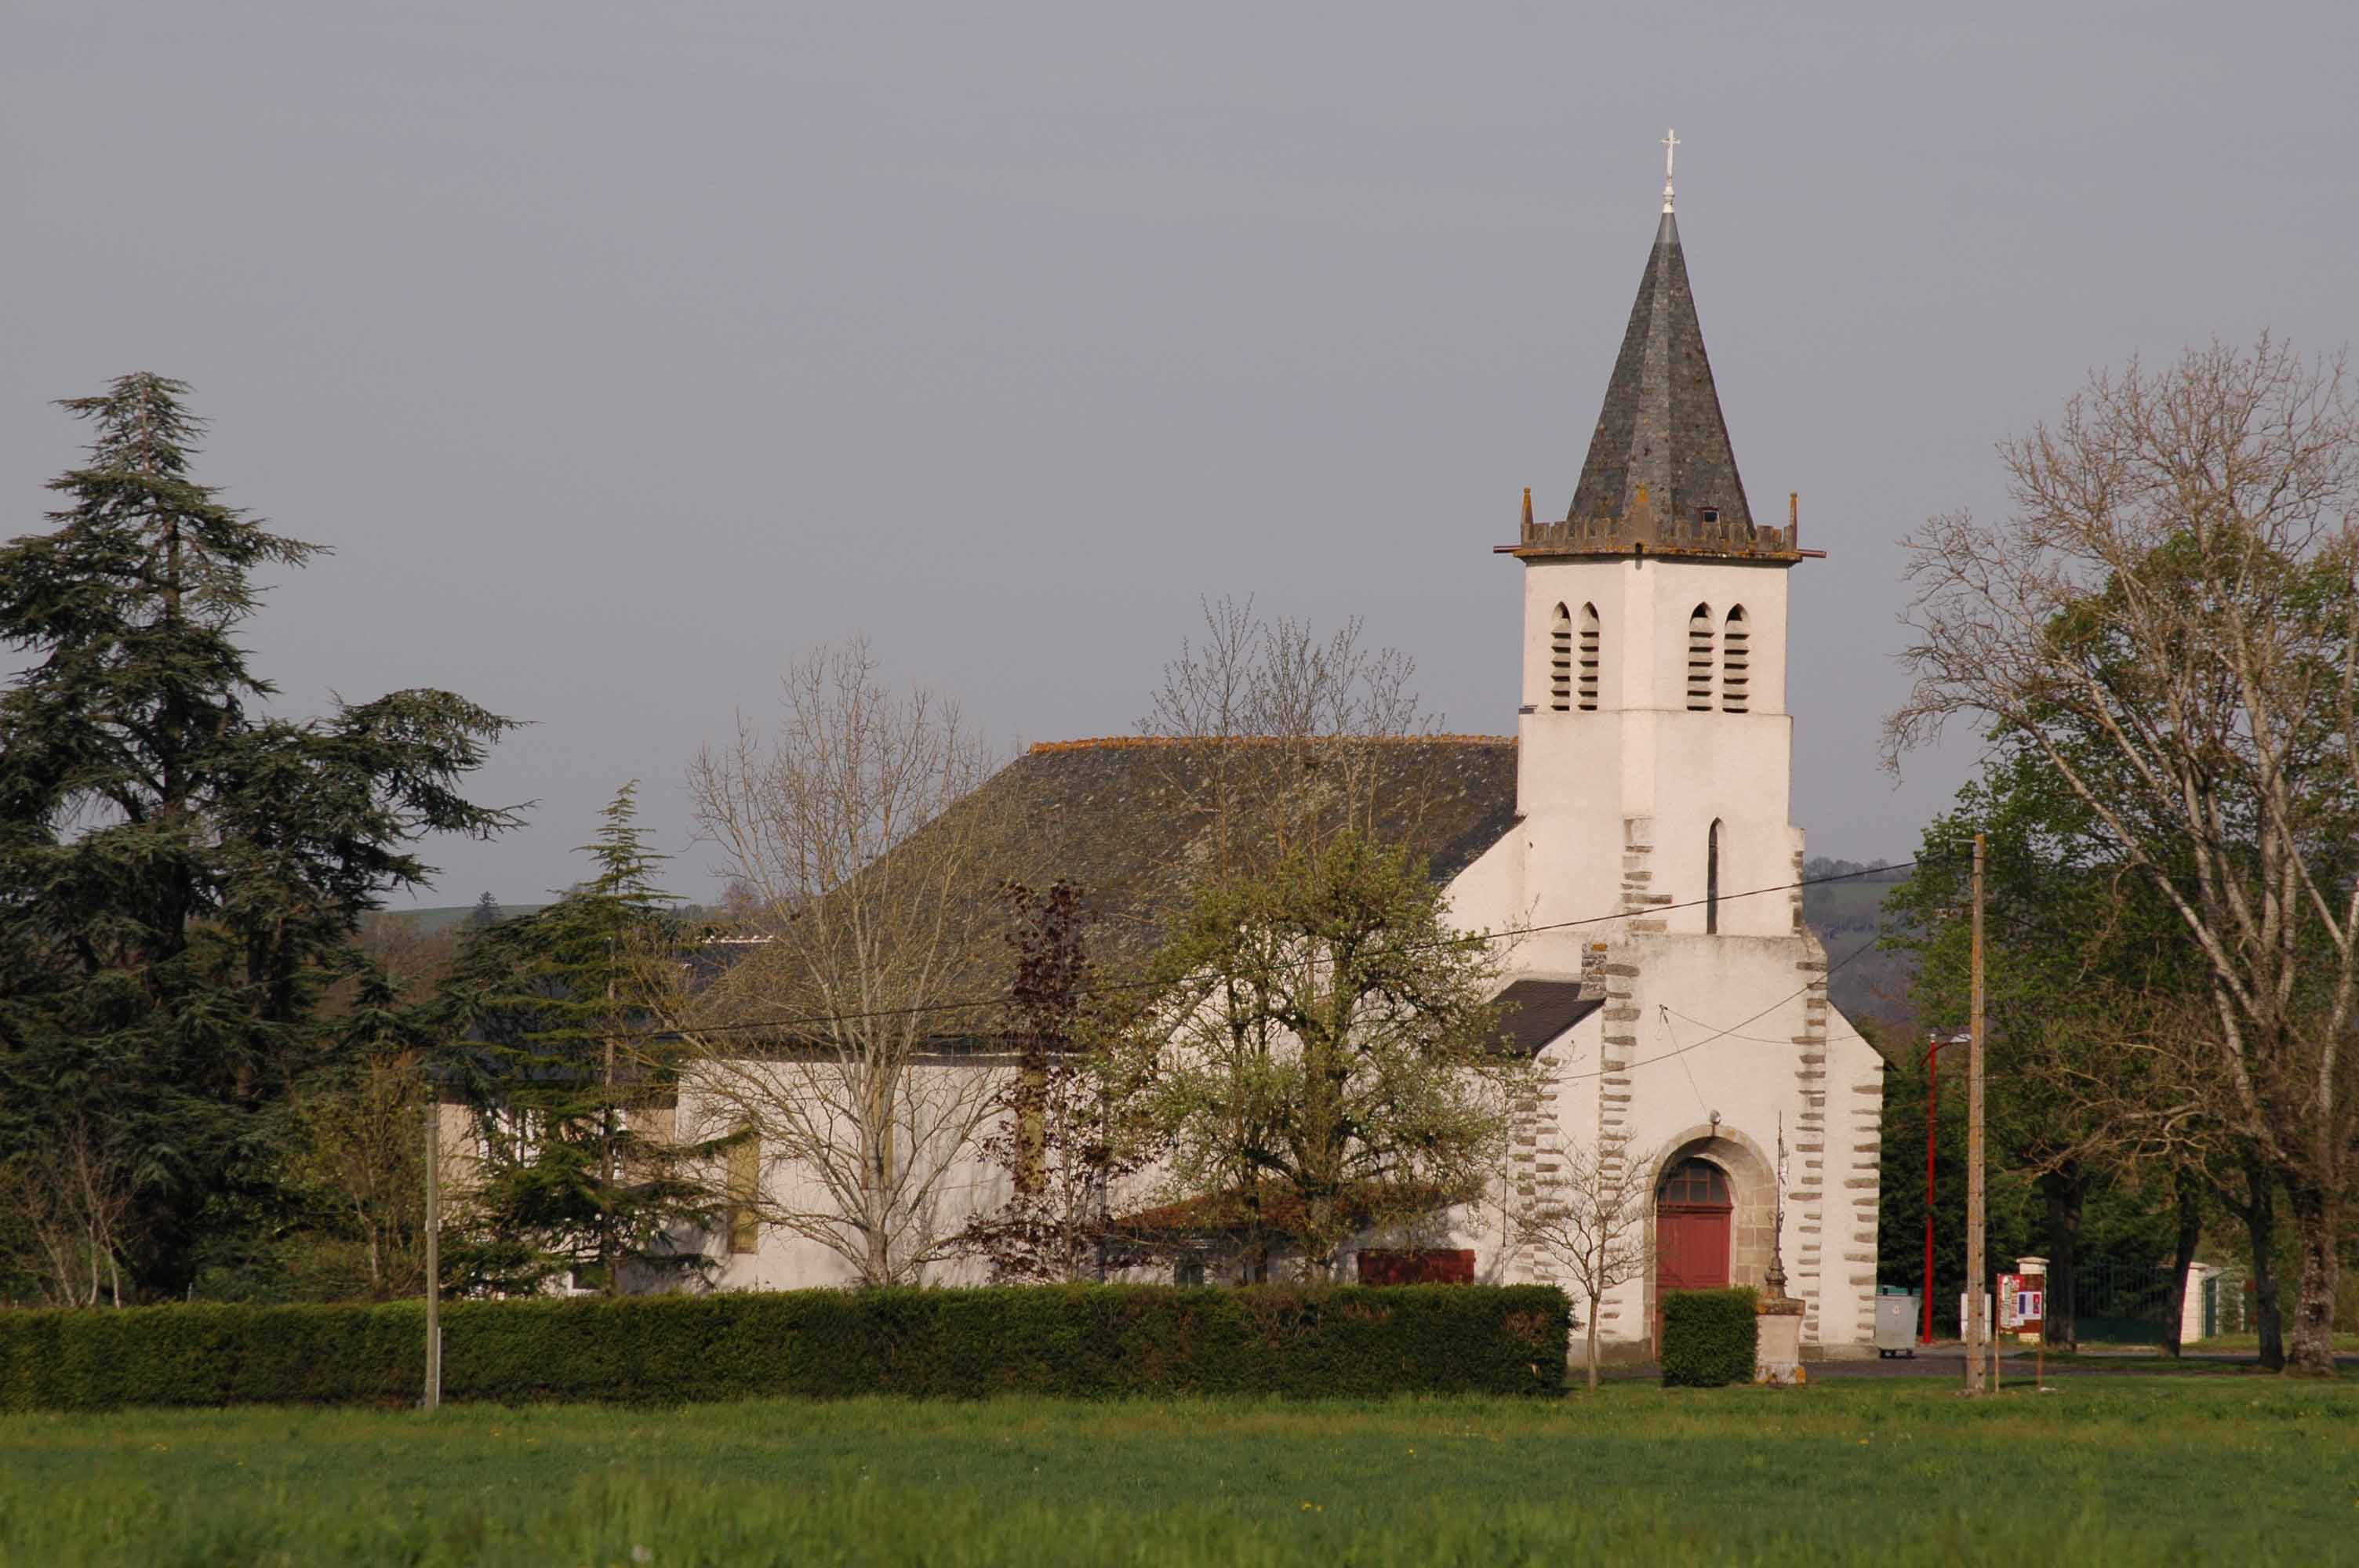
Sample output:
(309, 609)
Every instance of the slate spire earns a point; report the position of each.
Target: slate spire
(1661, 430)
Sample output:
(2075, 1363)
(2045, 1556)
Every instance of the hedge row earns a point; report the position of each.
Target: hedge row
(1085, 1341)
(1710, 1337)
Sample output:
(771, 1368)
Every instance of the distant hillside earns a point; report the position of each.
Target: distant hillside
(1847, 916)
(428, 921)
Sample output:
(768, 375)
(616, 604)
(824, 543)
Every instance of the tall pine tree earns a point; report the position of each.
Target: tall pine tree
(573, 1083)
(180, 872)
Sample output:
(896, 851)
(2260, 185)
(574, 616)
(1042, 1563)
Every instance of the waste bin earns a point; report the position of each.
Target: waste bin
(1897, 1315)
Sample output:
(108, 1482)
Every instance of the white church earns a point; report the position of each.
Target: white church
(1649, 781)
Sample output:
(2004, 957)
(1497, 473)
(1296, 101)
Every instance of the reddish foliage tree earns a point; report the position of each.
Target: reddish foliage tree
(1056, 1136)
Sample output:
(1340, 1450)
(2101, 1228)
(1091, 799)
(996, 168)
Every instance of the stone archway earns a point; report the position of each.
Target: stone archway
(1751, 1210)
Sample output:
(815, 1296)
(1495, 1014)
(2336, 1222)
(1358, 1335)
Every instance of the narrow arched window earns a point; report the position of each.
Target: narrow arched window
(1735, 662)
(1700, 659)
(1561, 660)
(1712, 881)
(1591, 641)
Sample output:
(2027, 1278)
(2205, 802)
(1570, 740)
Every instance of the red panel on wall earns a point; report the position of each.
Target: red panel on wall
(1380, 1266)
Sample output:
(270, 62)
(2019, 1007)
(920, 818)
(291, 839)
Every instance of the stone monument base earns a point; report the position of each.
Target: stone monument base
(1778, 1354)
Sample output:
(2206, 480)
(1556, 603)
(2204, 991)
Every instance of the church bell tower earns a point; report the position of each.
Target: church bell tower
(1655, 752)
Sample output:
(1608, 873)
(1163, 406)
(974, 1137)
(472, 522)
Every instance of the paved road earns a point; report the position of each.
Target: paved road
(1948, 1362)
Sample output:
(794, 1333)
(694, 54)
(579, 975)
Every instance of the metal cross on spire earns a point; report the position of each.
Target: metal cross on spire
(1670, 153)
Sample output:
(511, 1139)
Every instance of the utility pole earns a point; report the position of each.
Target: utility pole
(433, 1250)
(606, 1138)
(1933, 1045)
(1977, 1328)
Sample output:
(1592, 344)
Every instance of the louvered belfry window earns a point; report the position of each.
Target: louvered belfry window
(1590, 649)
(1700, 659)
(1735, 662)
(1561, 660)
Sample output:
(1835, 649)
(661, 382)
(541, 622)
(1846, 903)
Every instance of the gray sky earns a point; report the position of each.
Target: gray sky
(619, 350)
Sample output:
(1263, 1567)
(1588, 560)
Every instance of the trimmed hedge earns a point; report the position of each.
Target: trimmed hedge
(1710, 1337)
(1086, 1341)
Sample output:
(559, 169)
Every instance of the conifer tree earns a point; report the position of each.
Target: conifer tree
(569, 1079)
(487, 912)
(180, 872)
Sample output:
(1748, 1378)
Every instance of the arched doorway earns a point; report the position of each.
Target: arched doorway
(1694, 1216)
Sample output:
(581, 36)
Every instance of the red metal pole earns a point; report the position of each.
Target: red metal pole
(1932, 1111)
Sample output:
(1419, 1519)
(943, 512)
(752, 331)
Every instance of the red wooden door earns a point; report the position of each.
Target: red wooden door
(1692, 1215)
(1692, 1249)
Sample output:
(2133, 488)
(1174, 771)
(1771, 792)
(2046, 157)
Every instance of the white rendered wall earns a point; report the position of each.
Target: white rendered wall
(1641, 757)
(1617, 807)
(970, 1184)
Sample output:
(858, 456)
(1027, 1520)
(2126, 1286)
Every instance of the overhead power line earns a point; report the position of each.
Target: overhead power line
(921, 1009)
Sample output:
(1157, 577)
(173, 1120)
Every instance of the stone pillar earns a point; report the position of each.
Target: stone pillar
(1777, 1356)
(1810, 1132)
(1778, 1346)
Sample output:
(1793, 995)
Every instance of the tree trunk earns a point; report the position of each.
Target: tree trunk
(2063, 1189)
(2259, 1213)
(1592, 1344)
(2182, 1258)
(2316, 1211)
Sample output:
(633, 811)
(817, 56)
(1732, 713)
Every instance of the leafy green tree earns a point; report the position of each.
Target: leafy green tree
(573, 1085)
(1323, 1056)
(2091, 980)
(2169, 621)
(181, 873)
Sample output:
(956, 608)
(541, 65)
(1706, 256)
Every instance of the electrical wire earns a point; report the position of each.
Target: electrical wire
(1717, 1035)
(919, 1009)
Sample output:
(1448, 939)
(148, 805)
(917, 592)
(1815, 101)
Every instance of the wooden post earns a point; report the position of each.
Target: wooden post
(433, 1250)
(1996, 1339)
(1976, 1327)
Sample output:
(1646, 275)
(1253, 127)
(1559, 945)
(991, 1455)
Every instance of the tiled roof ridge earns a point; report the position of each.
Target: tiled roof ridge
(1116, 742)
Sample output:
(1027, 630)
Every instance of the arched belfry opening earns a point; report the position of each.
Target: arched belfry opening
(1700, 640)
(1735, 662)
(1711, 880)
(1592, 651)
(1561, 661)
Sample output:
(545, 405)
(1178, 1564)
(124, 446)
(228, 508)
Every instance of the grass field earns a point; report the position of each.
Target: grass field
(2131, 1469)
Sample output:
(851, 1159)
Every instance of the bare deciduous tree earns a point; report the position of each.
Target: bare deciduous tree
(1301, 723)
(1586, 1211)
(71, 1196)
(2169, 621)
(869, 875)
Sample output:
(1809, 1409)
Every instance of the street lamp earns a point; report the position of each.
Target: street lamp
(1933, 1043)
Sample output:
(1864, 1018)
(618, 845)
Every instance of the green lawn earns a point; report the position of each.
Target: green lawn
(2243, 1469)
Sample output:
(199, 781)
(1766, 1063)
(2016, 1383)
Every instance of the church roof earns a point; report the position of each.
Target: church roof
(1538, 1010)
(1661, 476)
(1129, 820)
(1132, 822)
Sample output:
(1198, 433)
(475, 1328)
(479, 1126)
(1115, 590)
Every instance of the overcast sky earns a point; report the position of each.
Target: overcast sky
(620, 351)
